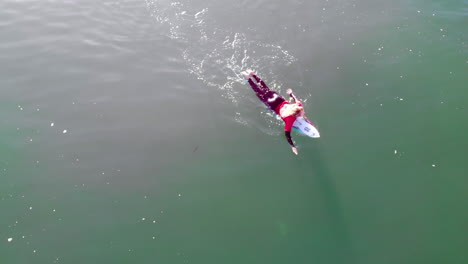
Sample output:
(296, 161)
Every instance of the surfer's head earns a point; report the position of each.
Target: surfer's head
(293, 109)
(299, 110)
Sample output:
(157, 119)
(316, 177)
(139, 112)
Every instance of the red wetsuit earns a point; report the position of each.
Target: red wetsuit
(288, 120)
(275, 102)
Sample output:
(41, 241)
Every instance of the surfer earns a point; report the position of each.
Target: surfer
(287, 111)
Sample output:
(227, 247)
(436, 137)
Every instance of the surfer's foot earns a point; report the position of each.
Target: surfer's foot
(250, 72)
(246, 74)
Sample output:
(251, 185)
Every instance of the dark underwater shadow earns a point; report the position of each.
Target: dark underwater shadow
(332, 206)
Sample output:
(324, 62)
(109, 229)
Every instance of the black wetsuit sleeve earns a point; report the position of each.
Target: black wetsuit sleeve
(288, 137)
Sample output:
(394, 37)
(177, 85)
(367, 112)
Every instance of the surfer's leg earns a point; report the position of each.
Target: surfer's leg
(273, 100)
(258, 91)
(262, 83)
(267, 96)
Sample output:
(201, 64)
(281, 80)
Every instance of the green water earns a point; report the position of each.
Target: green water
(129, 136)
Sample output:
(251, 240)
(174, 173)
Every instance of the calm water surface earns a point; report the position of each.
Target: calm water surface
(129, 136)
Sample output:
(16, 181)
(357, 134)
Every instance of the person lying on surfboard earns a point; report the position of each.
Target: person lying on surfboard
(287, 111)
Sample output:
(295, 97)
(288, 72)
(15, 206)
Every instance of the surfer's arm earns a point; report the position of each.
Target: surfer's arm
(290, 92)
(295, 98)
(287, 132)
(288, 138)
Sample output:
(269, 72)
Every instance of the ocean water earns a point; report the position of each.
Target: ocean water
(128, 134)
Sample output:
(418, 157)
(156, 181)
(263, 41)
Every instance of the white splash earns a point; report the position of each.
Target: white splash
(216, 56)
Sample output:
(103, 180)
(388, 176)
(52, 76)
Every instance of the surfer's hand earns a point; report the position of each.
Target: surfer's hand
(289, 91)
(294, 149)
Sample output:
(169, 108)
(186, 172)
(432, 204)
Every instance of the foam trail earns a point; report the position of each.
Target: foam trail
(216, 56)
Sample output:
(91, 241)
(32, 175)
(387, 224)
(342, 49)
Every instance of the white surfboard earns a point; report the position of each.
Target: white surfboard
(306, 128)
